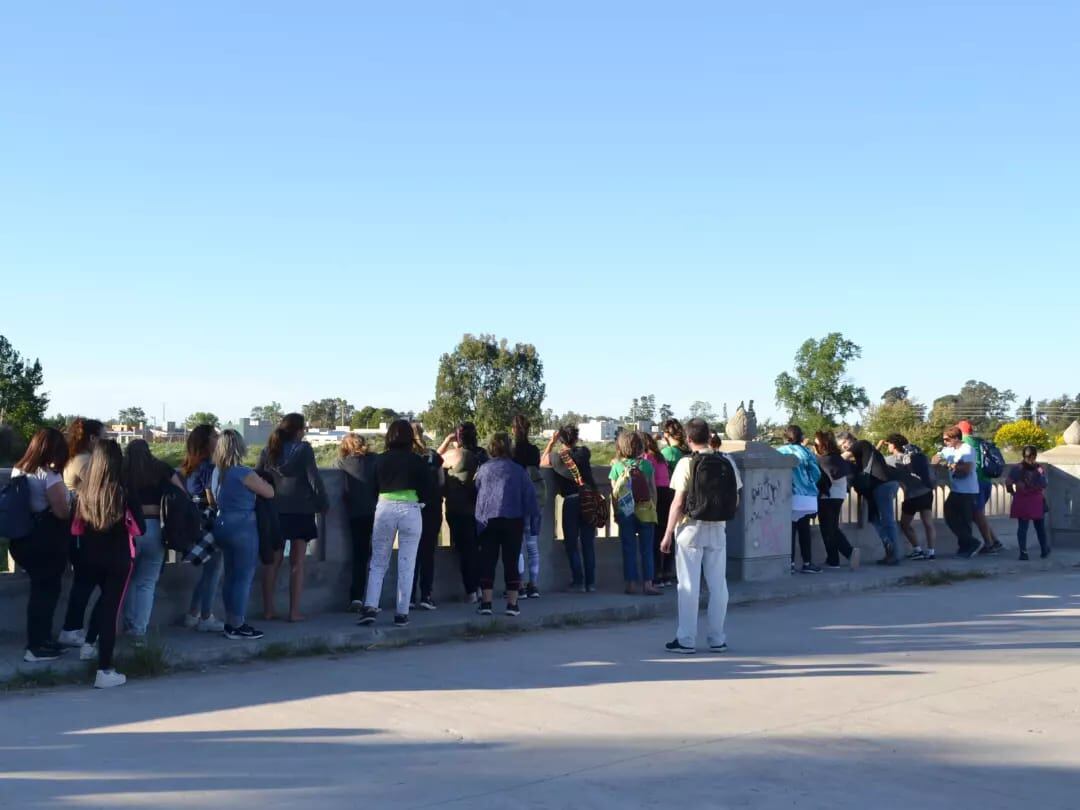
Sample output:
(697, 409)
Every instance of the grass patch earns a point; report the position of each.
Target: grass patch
(45, 679)
(932, 579)
(148, 661)
(274, 651)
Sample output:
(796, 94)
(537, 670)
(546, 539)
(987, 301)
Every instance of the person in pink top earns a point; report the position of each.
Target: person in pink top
(1027, 483)
(662, 563)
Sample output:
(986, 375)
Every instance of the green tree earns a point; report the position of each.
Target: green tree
(1026, 412)
(701, 409)
(983, 405)
(895, 394)
(271, 413)
(487, 381)
(1058, 413)
(666, 412)
(1022, 432)
(22, 405)
(327, 413)
(133, 416)
(819, 393)
(902, 416)
(201, 418)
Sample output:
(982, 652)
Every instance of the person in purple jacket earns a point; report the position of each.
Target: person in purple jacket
(506, 508)
(1027, 483)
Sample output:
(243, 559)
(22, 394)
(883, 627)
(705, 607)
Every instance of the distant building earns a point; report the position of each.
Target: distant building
(597, 430)
(255, 431)
(123, 434)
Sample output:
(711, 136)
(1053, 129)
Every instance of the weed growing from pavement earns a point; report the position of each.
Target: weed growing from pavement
(932, 579)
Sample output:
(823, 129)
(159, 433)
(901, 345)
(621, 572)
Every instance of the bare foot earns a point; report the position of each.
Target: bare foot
(297, 618)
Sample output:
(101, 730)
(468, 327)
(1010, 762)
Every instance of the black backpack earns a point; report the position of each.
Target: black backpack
(181, 520)
(16, 517)
(714, 490)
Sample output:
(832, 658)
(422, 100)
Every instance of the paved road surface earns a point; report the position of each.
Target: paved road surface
(963, 696)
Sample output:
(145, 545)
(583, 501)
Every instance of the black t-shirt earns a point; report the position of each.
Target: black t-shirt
(150, 493)
(869, 460)
(526, 454)
(583, 459)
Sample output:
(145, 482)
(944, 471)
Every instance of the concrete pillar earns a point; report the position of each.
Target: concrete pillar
(554, 570)
(1063, 495)
(759, 537)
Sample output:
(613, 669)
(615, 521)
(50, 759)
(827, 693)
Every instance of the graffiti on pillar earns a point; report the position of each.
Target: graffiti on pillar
(763, 519)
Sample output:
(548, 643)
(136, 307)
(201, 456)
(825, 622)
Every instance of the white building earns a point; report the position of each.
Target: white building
(597, 430)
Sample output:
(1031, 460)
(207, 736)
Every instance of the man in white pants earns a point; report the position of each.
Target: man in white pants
(700, 545)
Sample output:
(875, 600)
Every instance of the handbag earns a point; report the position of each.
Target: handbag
(595, 510)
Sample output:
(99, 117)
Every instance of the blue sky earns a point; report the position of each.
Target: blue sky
(213, 205)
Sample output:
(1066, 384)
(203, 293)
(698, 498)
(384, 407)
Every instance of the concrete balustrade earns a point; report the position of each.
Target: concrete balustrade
(759, 543)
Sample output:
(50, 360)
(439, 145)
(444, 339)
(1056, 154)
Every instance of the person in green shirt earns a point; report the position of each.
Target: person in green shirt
(637, 531)
(986, 487)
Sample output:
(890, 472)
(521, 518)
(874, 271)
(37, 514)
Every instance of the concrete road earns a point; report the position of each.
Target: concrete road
(961, 696)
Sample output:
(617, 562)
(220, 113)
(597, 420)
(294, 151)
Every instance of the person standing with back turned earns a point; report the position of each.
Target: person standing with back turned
(706, 486)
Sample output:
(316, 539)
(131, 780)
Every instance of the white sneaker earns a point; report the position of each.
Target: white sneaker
(210, 625)
(72, 638)
(108, 678)
(191, 622)
(88, 652)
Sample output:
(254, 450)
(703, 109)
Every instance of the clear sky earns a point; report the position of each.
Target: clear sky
(213, 205)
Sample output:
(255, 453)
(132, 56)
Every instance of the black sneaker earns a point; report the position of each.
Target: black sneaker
(37, 654)
(810, 568)
(720, 648)
(244, 632)
(484, 609)
(917, 554)
(401, 620)
(833, 566)
(676, 647)
(368, 616)
(973, 553)
(532, 592)
(512, 609)
(1023, 555)
(1044, 554)
(427, 603)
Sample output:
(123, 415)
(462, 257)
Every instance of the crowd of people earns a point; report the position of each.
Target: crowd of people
(827, 466)
(98, 509)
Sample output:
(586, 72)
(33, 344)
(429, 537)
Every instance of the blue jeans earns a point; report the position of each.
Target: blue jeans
(1040, 532)
(149, 557)
(238, 538)
(638, 540)
(531, 549)
(580, 542)
(885, 501)
(202, 597)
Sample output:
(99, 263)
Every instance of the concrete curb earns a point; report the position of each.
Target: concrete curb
(313, 639)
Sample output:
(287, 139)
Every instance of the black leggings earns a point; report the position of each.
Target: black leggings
(505, 535)
(829, 521)
(83, 584)
(463, 538)
(424, 575)
(360, 528)
(800, 529)
(43, 555)
(108, 560)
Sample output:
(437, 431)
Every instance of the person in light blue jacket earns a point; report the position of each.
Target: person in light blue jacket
(804, 496)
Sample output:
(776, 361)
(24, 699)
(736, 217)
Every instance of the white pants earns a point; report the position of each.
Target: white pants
(701, 547)
(403, 519)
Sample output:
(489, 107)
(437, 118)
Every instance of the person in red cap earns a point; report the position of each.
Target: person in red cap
(986, 487)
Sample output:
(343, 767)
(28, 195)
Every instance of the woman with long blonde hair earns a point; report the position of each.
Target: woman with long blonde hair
(107, 521)
(235, 487)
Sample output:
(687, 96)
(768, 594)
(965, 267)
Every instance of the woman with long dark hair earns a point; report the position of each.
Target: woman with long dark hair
(196, 471)
(431, 517)
(82, 435)
(527, 455)
(300, 494)
(675, 447)
(146, 480)
(108, 521)
(44, 553)
(402, 480)
(832, 492)
(462, 457)
(572, 464)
